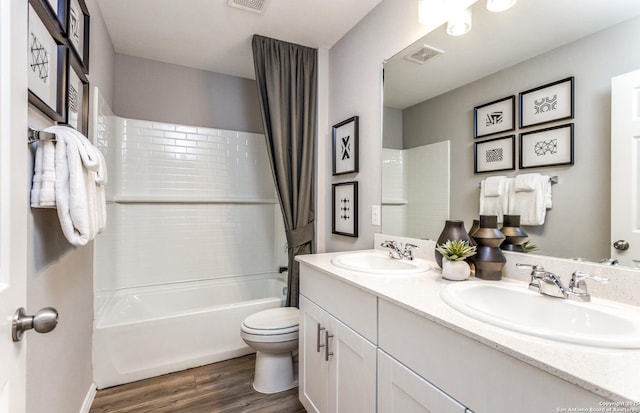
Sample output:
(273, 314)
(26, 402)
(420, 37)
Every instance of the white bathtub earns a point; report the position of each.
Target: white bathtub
(148, 331)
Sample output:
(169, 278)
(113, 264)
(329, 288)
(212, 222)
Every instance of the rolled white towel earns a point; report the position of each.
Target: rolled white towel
(526, 182)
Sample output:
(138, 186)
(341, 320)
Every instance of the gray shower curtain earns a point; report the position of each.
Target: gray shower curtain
(286, 75)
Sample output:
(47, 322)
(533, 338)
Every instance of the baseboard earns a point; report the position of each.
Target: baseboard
(88, 399)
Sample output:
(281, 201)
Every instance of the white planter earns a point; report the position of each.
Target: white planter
(455, 270)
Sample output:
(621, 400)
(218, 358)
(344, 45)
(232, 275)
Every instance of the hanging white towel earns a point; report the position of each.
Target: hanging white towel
(530, 204)
(70, 175)
(493, 196)
(44, 176)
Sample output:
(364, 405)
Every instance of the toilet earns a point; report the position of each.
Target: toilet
(274, 335)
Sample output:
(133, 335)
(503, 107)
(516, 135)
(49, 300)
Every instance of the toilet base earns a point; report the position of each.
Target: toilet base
(274, 372)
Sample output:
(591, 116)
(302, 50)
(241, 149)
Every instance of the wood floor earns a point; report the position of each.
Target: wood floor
(223, 387)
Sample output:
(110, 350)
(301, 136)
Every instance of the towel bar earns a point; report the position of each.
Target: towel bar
(552, 179)
(36, 135)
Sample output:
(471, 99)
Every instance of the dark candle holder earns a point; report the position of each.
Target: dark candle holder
(489, 259)
(514, 235)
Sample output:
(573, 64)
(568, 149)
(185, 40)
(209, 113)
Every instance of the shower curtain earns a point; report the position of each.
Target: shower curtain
(286, 75)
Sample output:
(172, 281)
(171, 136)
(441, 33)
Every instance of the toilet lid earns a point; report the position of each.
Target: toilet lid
(274, 319)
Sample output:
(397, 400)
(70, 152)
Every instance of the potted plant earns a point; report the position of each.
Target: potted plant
(454, 253)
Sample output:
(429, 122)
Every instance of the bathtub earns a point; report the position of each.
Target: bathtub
(144, 332)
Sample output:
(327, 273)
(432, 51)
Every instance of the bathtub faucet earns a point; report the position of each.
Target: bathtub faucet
(396, 251)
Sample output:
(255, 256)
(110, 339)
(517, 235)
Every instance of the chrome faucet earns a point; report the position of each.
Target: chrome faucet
(548, 283)
(578, 285)
(397, 251)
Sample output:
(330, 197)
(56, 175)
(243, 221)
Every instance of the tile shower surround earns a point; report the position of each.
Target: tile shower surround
(188, 203)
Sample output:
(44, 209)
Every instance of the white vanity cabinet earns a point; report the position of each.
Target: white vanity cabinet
(482, 378)
(401, 390)
(337, 363)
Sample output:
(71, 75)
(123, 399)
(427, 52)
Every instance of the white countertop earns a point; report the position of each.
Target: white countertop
(611, 373)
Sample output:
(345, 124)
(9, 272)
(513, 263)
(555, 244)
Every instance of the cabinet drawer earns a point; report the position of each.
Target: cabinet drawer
(354, 307)
(401, 390)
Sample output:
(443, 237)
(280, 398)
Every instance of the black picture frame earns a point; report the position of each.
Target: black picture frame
(344, 217)
(77, 31)
(495, 117)
(77, 97)
(345, 146)
(497, 154)
(57, 12)
(547, 147)
(46, 90)
(548, 103)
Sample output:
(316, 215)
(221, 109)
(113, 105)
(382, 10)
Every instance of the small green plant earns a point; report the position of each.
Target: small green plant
(529, 246)
(456, 250)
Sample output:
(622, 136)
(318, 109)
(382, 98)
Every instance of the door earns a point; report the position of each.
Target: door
(13, 198)
(625, 167)
(352, 371)
(313, 376)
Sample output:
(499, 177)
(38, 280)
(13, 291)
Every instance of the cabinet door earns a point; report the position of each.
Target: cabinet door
(313, 376)
(401, 390)
(352, 371)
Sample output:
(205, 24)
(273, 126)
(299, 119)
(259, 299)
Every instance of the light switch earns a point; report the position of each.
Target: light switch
(375, 215)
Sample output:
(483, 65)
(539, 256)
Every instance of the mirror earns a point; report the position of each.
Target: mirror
(533, 44)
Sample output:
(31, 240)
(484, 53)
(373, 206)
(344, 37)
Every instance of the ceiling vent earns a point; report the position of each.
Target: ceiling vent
(423, 54)
(254, 6)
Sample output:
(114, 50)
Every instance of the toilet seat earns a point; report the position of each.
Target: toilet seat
(273, 322)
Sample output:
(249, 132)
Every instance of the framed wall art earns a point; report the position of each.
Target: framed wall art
(547, 147)
(54, 13)
(495, 117)
(345, 146)
(548, 103)
(345, 209)
(78, 31)
(77, 97)
(498, 154)
(47, 66)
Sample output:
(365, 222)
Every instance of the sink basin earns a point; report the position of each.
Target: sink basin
(513, 306)
(379, 263)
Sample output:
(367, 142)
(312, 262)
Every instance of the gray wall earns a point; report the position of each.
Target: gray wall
(581, 199)
(392, 128)
(59, 371)
(151, 90)
(355, 88)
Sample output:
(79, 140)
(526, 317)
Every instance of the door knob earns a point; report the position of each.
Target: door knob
(43, 321)
(621, 245)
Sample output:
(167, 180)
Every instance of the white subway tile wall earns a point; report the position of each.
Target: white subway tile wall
(190, 203)
(165, 159)
(415, 200)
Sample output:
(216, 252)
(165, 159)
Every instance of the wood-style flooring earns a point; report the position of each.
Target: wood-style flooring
(224, 387)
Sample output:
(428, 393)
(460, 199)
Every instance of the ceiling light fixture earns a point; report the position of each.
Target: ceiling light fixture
(456, 13)
(459, 22)
(500, 5)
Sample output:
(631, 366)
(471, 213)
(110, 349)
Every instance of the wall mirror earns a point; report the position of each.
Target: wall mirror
(432, 86)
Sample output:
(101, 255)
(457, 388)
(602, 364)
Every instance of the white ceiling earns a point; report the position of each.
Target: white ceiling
(497, 41)
(209, 35)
